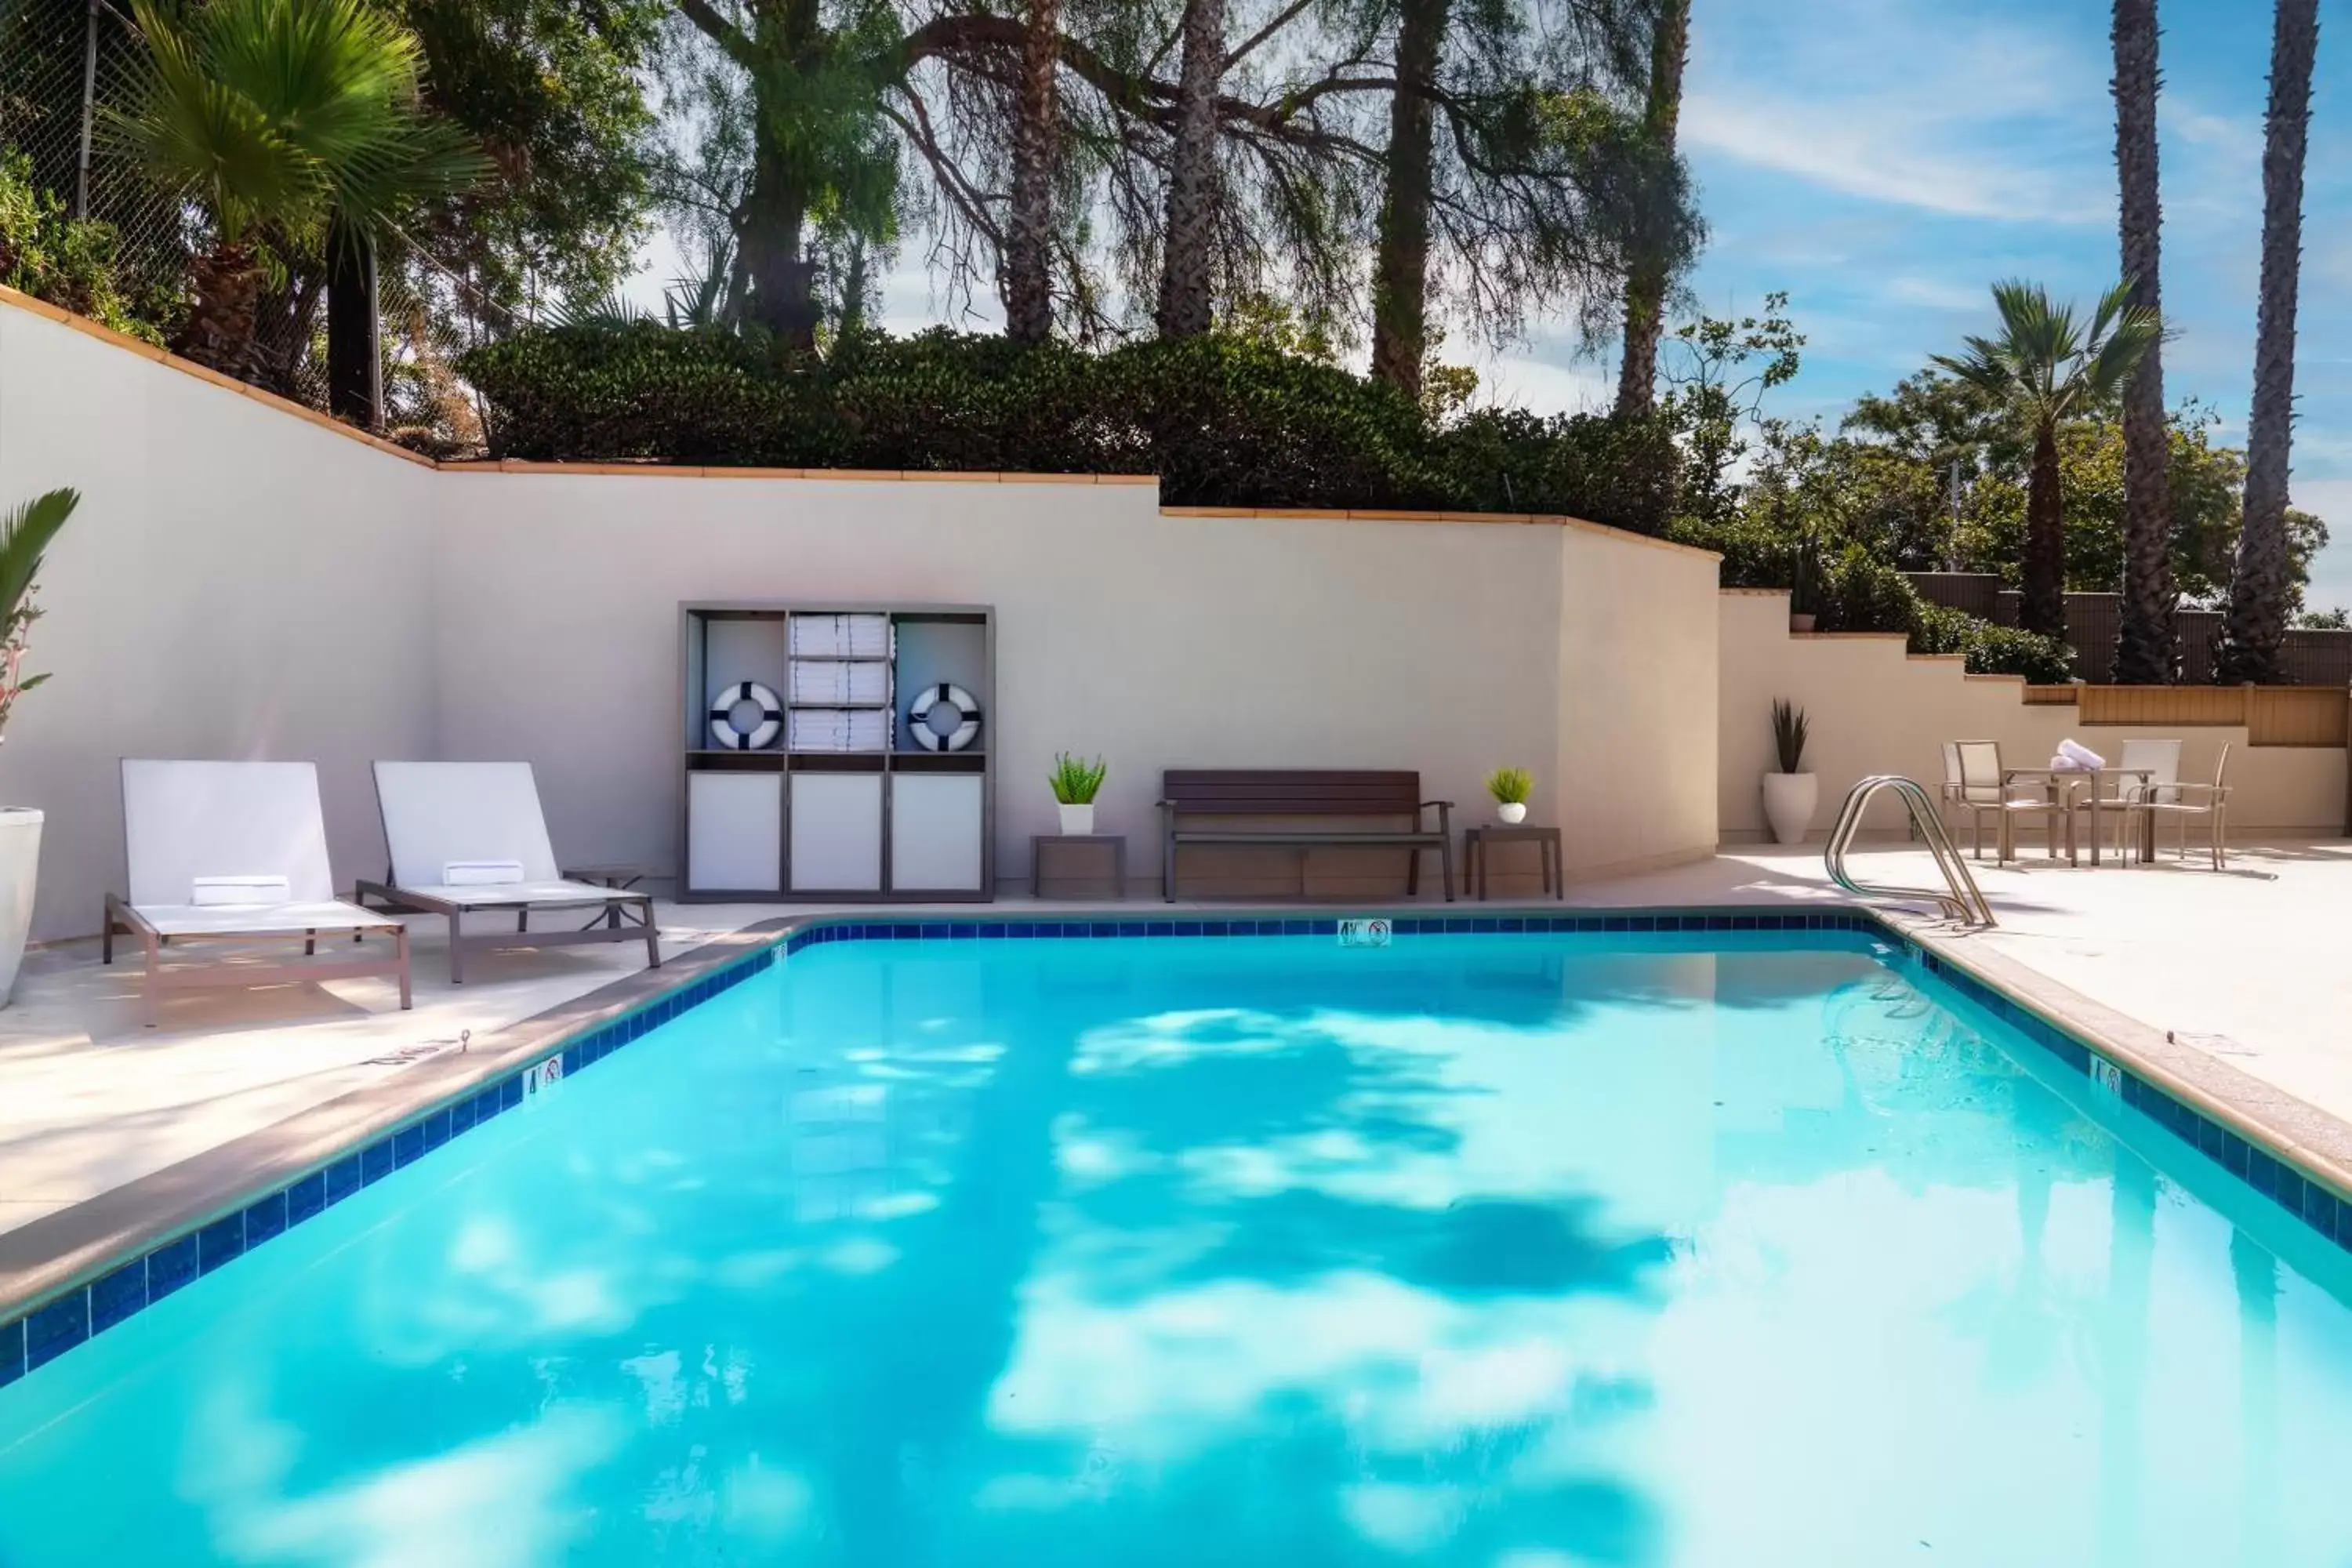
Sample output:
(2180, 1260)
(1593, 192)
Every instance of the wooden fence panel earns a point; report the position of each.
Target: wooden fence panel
(2297, 715)
(2193, 706)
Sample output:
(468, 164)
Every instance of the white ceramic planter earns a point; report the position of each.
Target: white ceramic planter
(1512, 812)
(1789, 803)
(1077, 819)
(20, 861)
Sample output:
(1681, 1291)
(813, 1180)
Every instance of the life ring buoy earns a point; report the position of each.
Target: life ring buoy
(731, 735)
(918, 715)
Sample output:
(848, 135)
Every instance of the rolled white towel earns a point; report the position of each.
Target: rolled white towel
(481, 873)
(2081, 755)
(211, 892)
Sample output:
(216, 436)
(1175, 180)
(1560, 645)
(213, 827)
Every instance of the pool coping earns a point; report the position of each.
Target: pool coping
(70, 1275)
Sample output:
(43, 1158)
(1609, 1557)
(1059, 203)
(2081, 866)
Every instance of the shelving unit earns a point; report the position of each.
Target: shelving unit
(896, 824)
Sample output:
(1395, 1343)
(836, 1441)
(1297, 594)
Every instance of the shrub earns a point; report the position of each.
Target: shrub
(1220, 420)
(68, 262)
(1859, 592)
(1991, 650)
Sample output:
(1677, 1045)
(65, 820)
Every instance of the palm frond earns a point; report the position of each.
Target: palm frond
(26, 534)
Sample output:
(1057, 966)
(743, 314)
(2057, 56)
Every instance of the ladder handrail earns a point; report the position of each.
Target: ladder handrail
(1963, 901)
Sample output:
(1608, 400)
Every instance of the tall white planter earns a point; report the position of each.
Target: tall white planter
(20, 863)
(1789, 803)
(1077, 820)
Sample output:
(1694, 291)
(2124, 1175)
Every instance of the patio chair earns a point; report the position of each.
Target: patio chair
(2161, 761)
(1983, 790)
(468, 838)
(226, 851)
(2181, 802)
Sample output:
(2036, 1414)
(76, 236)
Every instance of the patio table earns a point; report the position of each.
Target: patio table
(2066, 779)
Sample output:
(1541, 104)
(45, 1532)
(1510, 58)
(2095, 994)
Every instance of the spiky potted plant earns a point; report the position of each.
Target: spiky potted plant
(1511, 787)
(1074, 784)
(25, 537)
(1791, 794)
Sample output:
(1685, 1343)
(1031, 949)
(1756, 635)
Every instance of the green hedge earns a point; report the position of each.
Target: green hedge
(1222, 421)
(1858, 592)
(66, 261)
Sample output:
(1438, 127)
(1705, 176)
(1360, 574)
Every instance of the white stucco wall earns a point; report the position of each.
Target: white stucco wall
(241, 581)
(1636, 749)
(238, 582)
(1155, 640)
(1875, 710)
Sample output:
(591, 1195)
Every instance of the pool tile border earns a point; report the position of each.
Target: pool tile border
(69, 1318)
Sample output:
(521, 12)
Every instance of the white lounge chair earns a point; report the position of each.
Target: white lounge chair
(227, 851)
(468, 838)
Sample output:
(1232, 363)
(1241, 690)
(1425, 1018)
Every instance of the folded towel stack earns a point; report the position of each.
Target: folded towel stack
(481, 873)
(2073, 756)
(840, 681)
(216, 892)
(841, 636)
(840, 730)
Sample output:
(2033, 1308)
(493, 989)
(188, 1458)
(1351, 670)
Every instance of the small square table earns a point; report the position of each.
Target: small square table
(1110, 852)
(620, 877)
(1547, 852)
(2062, 783)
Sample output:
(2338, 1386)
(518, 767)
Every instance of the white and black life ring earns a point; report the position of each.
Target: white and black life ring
(727, 728)
(919, 714)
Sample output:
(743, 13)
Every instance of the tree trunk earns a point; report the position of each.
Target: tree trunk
(2261, 580)
(2146, 650)
(2042, 602)
(1186, 305)
(1400, 264)
(779, 277)
(1645, 283)
(224, 284)
(1027, 283)
(355, 337)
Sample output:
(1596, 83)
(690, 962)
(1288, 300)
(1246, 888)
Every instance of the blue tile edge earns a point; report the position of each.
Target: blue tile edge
(2304, 1196)
(54, 1326)
(49, 1329)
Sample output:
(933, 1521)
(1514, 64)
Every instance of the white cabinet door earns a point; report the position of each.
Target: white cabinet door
(836, 833)
(935, 832)
(734, 832)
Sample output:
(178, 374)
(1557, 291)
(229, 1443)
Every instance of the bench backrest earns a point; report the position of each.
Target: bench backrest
(1289, 792)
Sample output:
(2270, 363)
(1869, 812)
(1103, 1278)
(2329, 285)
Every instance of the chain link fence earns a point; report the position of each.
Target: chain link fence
(62, 64)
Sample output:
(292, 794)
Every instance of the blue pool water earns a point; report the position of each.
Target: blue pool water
(1520, 1252)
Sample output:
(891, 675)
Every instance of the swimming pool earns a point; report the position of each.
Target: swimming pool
(1516, 1250)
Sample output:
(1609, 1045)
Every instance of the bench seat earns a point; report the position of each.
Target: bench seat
(1189, 794)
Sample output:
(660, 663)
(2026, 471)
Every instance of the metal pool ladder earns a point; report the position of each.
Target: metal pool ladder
(1960, 901)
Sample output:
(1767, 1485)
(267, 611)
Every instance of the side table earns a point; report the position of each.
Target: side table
(1109, 854)
(616, 877)
(1475, 841)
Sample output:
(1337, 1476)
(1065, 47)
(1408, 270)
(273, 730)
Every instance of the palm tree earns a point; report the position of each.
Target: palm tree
(2047, 368)
(1029, 226)
(1645, 283)
(2146, 651)
(1187, 254)
(275, 116)
(2262, 577)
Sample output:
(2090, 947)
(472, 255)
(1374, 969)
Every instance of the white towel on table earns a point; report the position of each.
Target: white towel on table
(2078, 755)
(481, 873)
(211, 892)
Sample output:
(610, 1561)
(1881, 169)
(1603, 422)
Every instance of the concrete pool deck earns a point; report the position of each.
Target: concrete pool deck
(2242, 970)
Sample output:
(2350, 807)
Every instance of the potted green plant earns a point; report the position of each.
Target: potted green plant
(1074, 784)
(24, 536)
(1791, 794)
(1510, 787)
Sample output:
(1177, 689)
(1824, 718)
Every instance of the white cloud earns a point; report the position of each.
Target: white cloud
(1905, 102)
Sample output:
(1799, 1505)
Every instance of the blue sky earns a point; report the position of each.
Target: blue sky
(1883, 161)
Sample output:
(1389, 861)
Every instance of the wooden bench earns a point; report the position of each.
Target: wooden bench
(1187, 794)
